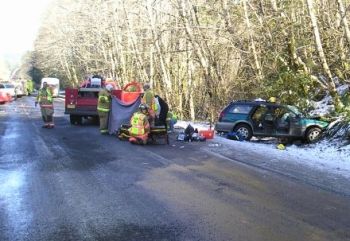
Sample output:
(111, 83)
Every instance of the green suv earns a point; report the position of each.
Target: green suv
(265, 119)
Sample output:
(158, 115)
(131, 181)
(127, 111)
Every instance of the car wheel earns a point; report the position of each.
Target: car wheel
(244, 131)
(313, 134)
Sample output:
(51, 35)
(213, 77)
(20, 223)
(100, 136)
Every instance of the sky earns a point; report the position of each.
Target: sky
(19, 24)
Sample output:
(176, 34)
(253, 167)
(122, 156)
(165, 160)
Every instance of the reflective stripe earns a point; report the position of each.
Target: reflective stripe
(46, 106)
(102, 109)
(103, 131)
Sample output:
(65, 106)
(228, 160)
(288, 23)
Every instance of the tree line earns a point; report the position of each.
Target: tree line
(200, 54)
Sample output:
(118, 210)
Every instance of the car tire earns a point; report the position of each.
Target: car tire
(244, 130)
(313, 134)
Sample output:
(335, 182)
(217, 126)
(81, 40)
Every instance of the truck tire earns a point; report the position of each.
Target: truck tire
(75, 119)
(244, 130)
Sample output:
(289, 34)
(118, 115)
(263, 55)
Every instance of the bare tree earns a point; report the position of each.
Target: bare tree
(197, 54)
(331, 84)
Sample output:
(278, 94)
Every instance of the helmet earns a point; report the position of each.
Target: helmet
(281, 147)
(272, 99)
(143, 107)
(109, 87)
(146, 86)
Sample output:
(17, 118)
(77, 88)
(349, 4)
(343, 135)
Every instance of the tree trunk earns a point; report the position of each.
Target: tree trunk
(252, 42)
(190, 69)
(344, 20)
(318, 40)
(330, 82)
(274, 5)
(166, 76)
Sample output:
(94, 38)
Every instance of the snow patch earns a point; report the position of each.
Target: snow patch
(323, 107)
(324, 155)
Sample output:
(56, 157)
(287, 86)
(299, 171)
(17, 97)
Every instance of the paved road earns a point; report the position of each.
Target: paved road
(70, 183)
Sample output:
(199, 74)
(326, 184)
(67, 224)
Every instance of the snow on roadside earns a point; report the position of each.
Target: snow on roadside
(325, 106)
(321, 155)
(322, 107)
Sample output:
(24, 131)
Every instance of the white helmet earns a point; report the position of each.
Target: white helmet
(109, 87)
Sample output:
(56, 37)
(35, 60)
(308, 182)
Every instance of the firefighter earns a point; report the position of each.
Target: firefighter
(162, 111)
(45, 101)
(140, 127)
(148, 98)
(103, 107)
(171, 120)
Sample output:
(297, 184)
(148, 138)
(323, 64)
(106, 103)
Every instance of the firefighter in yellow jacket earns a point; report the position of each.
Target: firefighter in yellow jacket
(148, 98)
(45, 101)
(140, 127)
(103, 107)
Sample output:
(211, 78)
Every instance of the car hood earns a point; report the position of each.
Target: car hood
(311, 121)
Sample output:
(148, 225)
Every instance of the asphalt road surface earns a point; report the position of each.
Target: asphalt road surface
(71, 183)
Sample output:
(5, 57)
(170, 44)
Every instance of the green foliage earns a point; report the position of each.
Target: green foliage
(36, 75)
(292, 88)
(346, 109)
(346, 100)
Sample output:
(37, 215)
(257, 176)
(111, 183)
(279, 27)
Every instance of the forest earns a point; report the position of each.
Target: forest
(201, 54)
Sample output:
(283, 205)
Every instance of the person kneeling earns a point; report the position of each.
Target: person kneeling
(140, 127)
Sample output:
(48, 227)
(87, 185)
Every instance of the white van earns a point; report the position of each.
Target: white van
(54, 83)
(20, 87)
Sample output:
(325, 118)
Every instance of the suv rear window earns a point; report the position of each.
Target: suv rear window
(240, 109)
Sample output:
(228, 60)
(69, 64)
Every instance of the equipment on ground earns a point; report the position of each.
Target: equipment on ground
(281, 147)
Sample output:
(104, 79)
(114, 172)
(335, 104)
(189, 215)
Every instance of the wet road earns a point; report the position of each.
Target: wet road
(70, 183)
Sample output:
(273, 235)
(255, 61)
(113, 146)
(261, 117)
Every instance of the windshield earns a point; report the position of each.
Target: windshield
(295, 110)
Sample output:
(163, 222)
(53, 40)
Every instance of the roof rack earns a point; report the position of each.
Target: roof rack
(256, 100)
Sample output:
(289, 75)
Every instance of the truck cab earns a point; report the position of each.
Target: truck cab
(81, 102)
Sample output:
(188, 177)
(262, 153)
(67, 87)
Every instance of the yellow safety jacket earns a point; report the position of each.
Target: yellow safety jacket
(148, 98)
(171, 116)
(45, 98)
(104, 101)
(139, 124)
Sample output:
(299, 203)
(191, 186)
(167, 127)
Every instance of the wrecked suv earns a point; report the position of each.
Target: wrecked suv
(265, 119)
